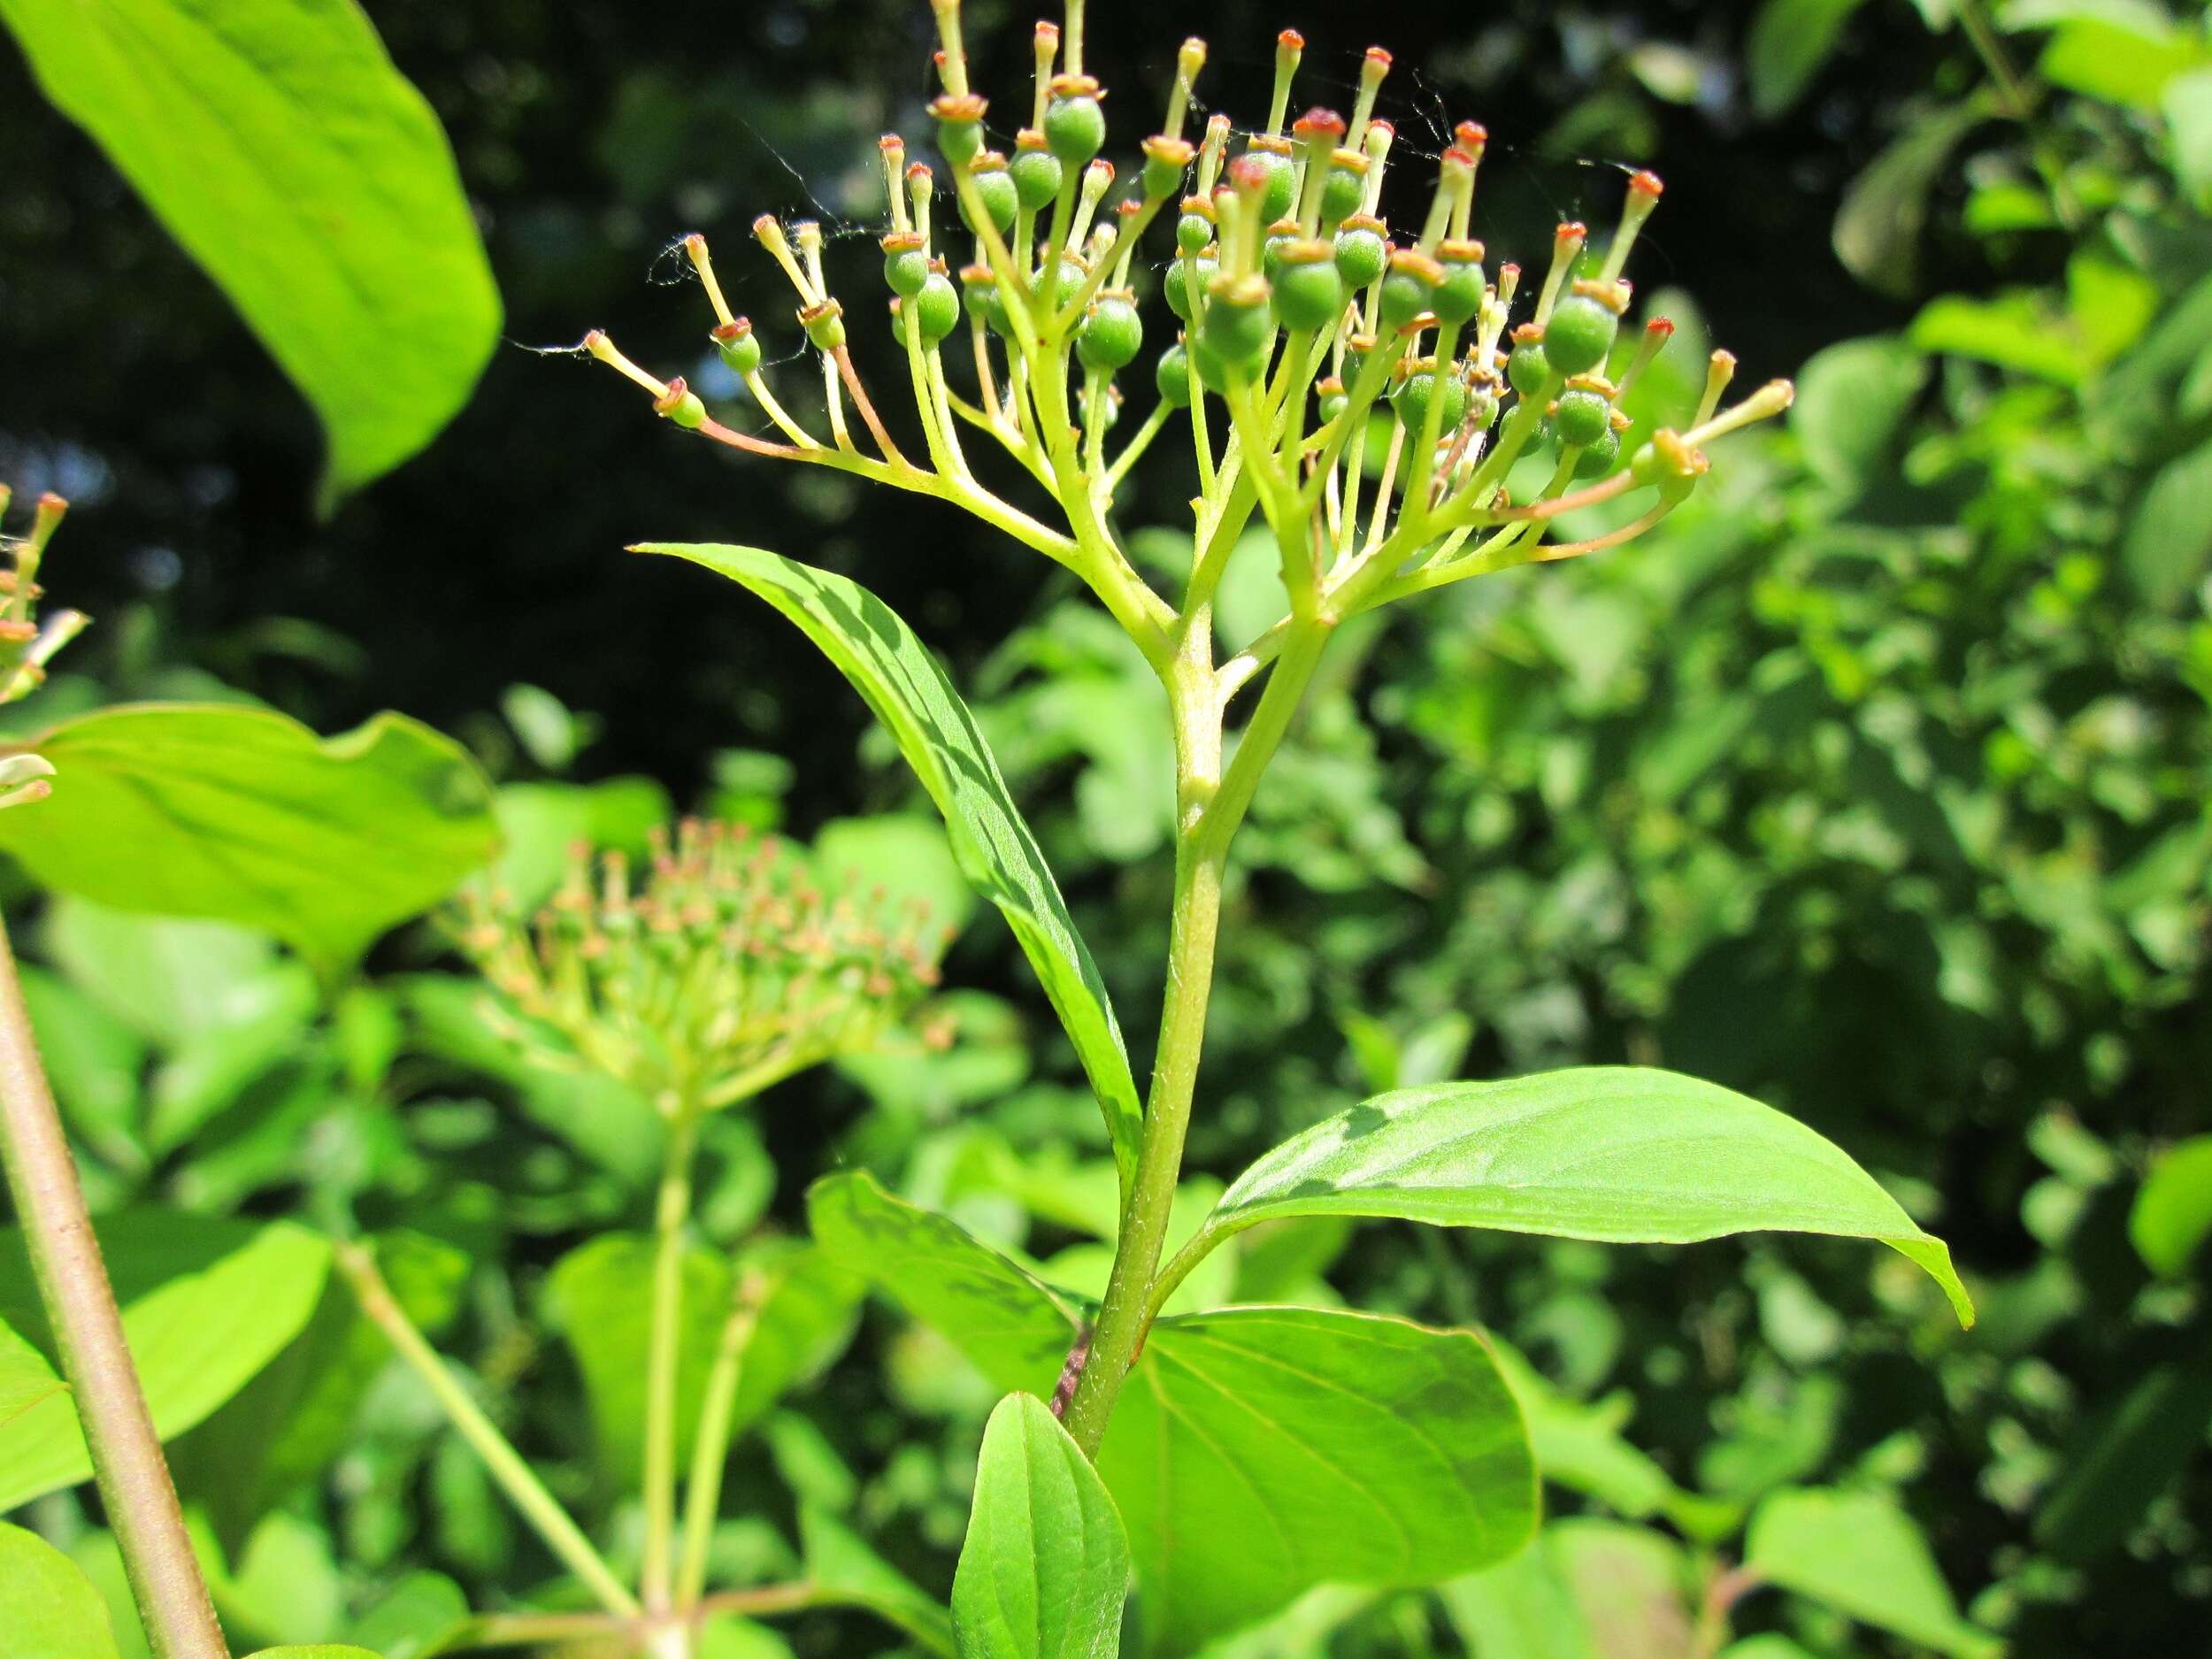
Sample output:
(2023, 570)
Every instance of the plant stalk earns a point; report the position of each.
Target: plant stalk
(136, 1489)
(671, 1212)
(711, 1451)
(524, 1489)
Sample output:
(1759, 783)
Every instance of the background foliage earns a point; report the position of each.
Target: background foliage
(1874, 787)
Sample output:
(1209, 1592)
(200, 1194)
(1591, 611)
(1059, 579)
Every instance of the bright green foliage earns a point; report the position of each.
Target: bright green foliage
(909, 693)
(1257, 1452)
(2173, 1212)
(206, 1303)
(1585, 1589)
(315, 1650)
(1045, 1568)
(1859, 1552)
(244, 816)
(844, 1571)
(601, 1294)
(1626, 1154)
(48, 1608)
(277, 143)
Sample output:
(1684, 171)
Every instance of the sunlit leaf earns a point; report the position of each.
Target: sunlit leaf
(1045, 1567)
(1624, 1155)
(893, 671)
(1861, 1555)
(48, 1608)
(276, 141)
(1851, 399)
(2172, 1216)
(243, 816)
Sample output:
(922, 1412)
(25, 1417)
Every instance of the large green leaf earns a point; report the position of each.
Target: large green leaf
(244, 816)
(1586, 1589)
(1861, 1554)
(206, 1303)
(602, 1296)
(2172, 1216)
(48, 1608)
(937, 733)
(1255, 1452)
(1045, 1567)
(1788, 41)
(276, 141)
(1624, 1155)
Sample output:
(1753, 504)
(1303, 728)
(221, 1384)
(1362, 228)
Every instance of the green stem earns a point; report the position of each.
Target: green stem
(135, 1490)
(524, 1489)
(711, 1451)
(672, 1211)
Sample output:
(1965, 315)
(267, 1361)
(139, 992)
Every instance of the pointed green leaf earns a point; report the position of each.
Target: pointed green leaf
(1861, 1555)
(2172, 1216)
(1255, 1452)
(242, 815)
(25, 1378)
(1045, 1568)
(843, 1571)
(206, 1303)
(48, 1608)
(902, 683)
(1624, 1155)
(274, 139)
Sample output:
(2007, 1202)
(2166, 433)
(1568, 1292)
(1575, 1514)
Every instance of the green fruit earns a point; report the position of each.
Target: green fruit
(1068, 278)
(1333, 399)
(1238, 326)
(985, 301)
(1211, 374)
(1342, 193)
(1036, 174)
(906, 269)
(1600, 457)
(960, 139)
(738, 345)
(1406, 294)
(1171, 375)
(1582, 418)
(1529, 368)
(1075, 129)
(1192, 231)
(1459, 296)
(1412, 401)
(1362, 255)
(936, 307)
(1177, 284)
(996, 189)
(1112, 333)
(1309, 294)
(1162, 176)
(1578, 333)
(1282, 179)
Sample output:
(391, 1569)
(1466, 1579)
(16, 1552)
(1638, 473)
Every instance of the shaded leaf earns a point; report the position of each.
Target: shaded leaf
(206, 1303)
(2131, 1453)
(1877, 233)
(1045, 1568)
(1619, 1154)
(909, 693)
(2168, 539)
(1851, 399)
(274, 140)
(843, 1571)
(1788, 41)
(1861, 1555)
(242, 815)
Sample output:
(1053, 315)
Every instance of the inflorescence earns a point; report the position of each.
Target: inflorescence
(727, 968)
(1300, 315)
(27, 644)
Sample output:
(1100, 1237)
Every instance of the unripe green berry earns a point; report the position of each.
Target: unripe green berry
(1342, 192)
(1598, 458)
(1412, 396)
(936, 307)
(1459, 296)
(1529, 368)
(995, 188)
(1582, 416)
(1036, 173)
(1177, 284)
(1211, 374)
(1171, 375)
(1362, 255)
(1578, 333)
(905, 266)
(1282, 180)
(1112, 333)
(1333, 399)
(1410, 288)
(681, 405)
(825, 325)
(1237, 324)
(1193, 232)
(1075, 129)
(740, 346)
(1309, 294)
(959, 127)
(1068, 278)
(980, 293)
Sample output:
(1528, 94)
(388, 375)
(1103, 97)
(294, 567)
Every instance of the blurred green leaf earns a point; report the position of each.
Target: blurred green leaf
(2168, 539)
(93, 1060)
(1620, 1153)
(169, 981)
(1861, 1555)
(274, 139)
(1045, 1566)
(2187, 101)
(2172, 1216)
(1878, 226)
(1788, 41)
(539, 822)
(909, 693)
(909, 857)
(1852, 399)
(206, 1303)
(244, 816)
(48, 1608)
(2129, 1453)
(842, 1570)
(2126, 58)
(26, 1377)
(2016, 331)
